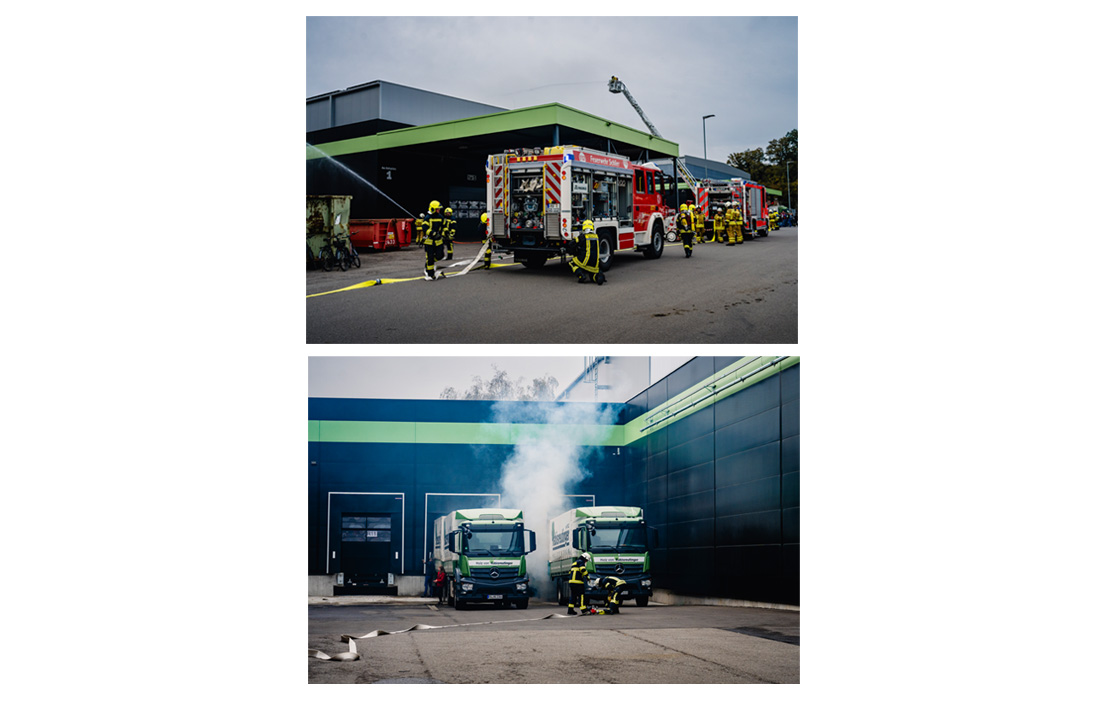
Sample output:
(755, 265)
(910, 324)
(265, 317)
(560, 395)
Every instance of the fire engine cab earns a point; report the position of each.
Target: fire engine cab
(538, 198)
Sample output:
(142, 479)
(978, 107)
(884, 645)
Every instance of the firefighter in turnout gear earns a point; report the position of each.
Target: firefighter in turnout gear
(719, 225)
(684, 229)
(420, 226)
(612, 585)
(698, 223)
(488, 240)
(578, 574)
(586, 259)
(448, 232)
(433, 239)
(773, 218)
(734, 225)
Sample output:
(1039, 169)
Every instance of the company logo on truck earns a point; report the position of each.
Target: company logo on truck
(561, 539)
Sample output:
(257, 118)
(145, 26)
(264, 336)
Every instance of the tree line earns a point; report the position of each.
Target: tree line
(767, 166)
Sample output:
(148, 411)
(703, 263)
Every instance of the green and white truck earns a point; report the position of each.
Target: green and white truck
(616, 541)
(484, 554)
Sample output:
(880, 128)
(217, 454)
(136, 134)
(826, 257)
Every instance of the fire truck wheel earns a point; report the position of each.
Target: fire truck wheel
(671, 236)
(654, 249)
(533, 261)
(607, 246)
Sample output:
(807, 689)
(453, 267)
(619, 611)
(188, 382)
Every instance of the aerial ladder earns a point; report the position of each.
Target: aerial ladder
(615, 85)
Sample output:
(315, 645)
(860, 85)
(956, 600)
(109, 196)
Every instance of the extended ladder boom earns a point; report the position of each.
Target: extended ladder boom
(615, 85)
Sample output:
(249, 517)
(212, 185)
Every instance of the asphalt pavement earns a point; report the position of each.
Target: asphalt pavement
(645, 645)
(723, 294)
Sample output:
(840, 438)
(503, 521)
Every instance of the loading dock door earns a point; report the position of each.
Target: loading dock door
(366, 546)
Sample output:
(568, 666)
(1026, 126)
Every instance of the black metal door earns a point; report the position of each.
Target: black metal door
(366, 548)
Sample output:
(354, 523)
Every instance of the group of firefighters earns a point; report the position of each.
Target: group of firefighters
(435, 230)
(610, 584)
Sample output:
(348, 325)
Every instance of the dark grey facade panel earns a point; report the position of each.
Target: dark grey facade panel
(691, 480)
(790, 418)
(695, 534)
(691, 453)
(357, 106)
(749, 529)
(753, 464)
(790, 490)
(754, 400)
(400, 103)
(753, 431)
(755, 496)
(319, 115)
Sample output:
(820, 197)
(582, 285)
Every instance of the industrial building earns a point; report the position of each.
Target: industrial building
(415, 145)
(711, 452)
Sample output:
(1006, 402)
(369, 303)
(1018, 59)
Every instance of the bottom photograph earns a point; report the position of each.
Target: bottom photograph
(570, 519)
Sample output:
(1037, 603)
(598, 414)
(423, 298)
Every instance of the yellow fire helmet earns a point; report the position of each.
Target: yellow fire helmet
(587, 224)
(449, 211)
(484, 218)
(434, 205)
(684, 208)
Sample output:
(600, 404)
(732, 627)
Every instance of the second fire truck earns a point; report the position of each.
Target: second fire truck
(538, 199)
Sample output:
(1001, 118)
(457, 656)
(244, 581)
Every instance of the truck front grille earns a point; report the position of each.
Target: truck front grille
(610, 568)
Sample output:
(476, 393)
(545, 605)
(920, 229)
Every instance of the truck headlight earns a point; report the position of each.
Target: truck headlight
(466, 587)
(646, 583)
(521, 586)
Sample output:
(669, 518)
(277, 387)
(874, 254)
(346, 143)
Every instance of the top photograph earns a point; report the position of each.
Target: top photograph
(552, 180)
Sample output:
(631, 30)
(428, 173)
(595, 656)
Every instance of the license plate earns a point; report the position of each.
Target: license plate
(496, 597)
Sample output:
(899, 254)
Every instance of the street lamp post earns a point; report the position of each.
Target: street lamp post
(704, 128)
(788, 183)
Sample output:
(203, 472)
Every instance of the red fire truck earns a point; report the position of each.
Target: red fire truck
(750, 196)
(538, 199)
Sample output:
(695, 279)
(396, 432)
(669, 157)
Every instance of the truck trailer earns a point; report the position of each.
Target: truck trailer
(483, 552)
(616, 541)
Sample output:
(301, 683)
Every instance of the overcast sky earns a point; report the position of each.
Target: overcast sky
(741, 69)
(423, 378)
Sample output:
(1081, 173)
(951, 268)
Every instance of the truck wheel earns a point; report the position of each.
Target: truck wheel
(671, 236)
(563, 595)
(657, 241)
(606, 246)
(458, 604)
(522, 604)
(533, 261)
(450, 600)
(642, 600)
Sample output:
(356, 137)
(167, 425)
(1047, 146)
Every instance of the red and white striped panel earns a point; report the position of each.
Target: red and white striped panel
(553, 184)
(702, 199)
(497, 186)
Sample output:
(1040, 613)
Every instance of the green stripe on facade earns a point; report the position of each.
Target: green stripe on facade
(512, 120)
(733, 379)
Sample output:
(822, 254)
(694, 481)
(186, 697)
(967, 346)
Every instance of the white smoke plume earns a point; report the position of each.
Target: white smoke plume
(551, 457)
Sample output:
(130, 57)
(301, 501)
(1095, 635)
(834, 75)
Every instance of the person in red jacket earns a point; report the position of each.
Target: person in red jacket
(440, 584)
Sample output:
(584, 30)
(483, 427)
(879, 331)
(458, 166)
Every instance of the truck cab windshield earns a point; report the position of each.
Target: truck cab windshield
(494, 541)
(629, 539)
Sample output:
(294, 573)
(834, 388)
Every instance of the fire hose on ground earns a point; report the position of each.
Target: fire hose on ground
(353, 655)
